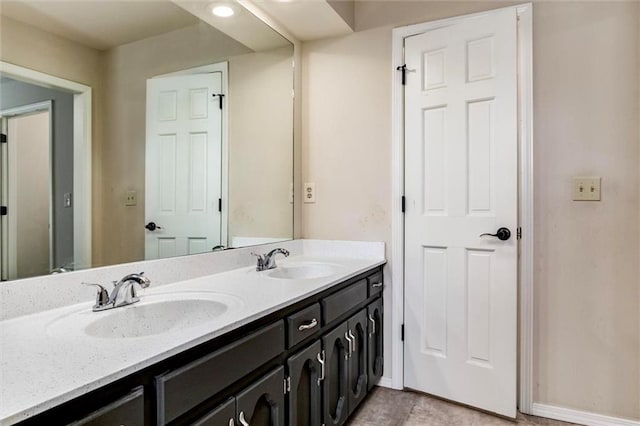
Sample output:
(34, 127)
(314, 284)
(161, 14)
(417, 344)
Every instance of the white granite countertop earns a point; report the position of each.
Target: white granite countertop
(46, 360)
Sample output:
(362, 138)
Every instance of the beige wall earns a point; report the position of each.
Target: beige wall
(261, 144)
(586, 106)
(126, 70)
(35, 49)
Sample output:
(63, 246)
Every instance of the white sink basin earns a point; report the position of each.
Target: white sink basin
(304, 271)
(154, 315)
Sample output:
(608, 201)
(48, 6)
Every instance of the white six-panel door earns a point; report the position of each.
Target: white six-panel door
(461, 181)
(183, 164)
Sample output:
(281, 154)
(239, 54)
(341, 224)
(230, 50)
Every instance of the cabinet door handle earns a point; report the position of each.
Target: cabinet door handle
(231, 422)
(321, 361)
(348, 354)
(311, 324)
(376, 285)
(373, 325)
(243, 422)
(353, 341)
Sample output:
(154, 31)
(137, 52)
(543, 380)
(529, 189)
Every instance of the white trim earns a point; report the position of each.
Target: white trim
(579, 417)
(82, 140)
(525, 208)
(385, 382)
(526, 187)
(223, 69)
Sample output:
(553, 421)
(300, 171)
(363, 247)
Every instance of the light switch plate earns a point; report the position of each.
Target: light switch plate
(586, 188)
(131, 198)
(309, 193)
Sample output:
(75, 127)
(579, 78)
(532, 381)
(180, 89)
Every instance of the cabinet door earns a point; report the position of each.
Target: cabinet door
(335, 383)
(128, 411)
(224, 414)
(262, 403)
(358, 334)
(376, 348)
(305, 399)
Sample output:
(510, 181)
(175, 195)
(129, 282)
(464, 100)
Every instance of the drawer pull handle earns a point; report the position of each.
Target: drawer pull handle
(373, 325)
(376, 285)
(353, 341)
(321, 361)
(312, 324)
(231, 422)
(243, 422)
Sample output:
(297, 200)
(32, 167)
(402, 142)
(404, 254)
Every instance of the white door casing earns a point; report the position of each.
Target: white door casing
(183, 164)
(461, 180)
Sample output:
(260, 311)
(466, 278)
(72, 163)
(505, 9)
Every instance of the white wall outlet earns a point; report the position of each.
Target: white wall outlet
(131, 198)
(309, 193)
(291, 193)
(586, 188)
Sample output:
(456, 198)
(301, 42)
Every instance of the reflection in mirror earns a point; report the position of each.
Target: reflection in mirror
(140, 130)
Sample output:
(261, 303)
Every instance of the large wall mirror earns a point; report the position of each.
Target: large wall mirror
(140, 130)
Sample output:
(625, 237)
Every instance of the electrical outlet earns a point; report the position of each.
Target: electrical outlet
(291, 193)
(309, 193)
(131, 198)
(586, 188)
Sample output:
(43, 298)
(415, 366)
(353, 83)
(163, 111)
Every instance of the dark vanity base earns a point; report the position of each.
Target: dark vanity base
(269, 372)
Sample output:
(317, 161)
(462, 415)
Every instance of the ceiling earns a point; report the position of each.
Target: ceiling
(100, 24)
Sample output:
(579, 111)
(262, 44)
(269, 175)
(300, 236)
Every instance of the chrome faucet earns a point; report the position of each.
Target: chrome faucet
(124, 292)
(268, 261)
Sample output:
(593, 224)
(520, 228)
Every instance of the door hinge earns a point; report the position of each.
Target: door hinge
(403, 203)
(3, 210)
(287, 385)
(3, 138)
(402, 333)
(519, 233)
(403, 69)
(220, 96)
(220, 205)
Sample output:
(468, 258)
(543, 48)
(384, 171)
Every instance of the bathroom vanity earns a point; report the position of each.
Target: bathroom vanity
(299, 344)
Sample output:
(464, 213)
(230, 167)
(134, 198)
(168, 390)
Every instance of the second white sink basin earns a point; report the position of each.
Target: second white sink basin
(154, 315)
(305, 271)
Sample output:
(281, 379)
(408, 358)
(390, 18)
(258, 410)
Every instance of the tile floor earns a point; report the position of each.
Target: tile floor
(386, 407)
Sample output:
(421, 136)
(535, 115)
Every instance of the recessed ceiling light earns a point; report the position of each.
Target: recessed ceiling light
(222, 10)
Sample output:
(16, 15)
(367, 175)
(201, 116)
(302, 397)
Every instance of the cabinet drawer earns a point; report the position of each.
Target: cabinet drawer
(376, 284)
(180, 390)
(344, 300)
(128, 411)
(303, 324)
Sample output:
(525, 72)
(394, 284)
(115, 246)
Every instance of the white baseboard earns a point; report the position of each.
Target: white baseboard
(579, 417)
(385, 382)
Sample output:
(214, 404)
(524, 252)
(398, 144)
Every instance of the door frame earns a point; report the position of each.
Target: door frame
(525, 198)
(223, 68)
(10, 245)
(82, 141)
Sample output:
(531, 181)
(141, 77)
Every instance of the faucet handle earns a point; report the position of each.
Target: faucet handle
(102, 296)
(261, 261)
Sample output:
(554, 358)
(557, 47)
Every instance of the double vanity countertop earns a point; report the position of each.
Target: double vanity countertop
(53, 356)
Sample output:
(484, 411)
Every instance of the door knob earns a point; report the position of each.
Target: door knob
(151, 226)
(503, 234)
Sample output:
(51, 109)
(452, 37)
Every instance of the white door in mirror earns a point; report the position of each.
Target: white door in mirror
(183, 165)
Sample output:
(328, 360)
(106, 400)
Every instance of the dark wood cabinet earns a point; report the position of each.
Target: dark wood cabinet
(262, 403)
(358, 339)
(304, 387)
(375, 342)
(126, 411)
(330, 344)
(223, 415)
(335, 383)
